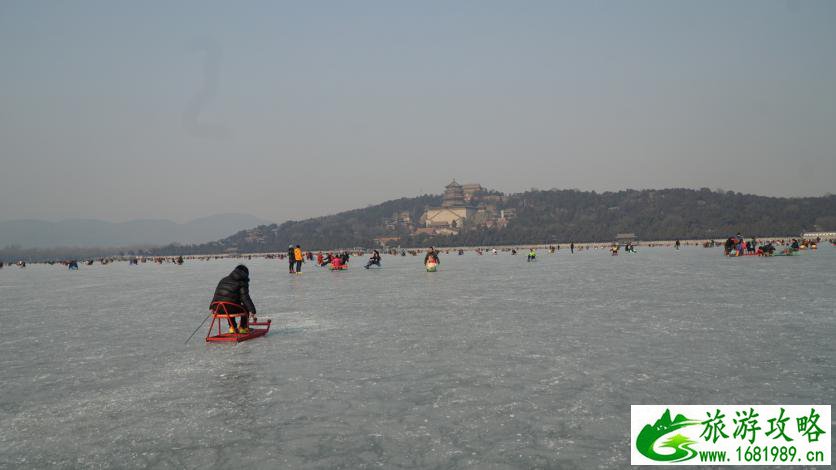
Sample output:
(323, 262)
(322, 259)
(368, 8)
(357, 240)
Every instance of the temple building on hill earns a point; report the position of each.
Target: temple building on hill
(453, 195)
(455, 208)
(624, 238)
(471, 191)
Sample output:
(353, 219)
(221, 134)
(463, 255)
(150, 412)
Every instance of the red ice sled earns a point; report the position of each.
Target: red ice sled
(220, 312)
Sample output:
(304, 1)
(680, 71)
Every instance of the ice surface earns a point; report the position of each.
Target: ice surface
(491, 362)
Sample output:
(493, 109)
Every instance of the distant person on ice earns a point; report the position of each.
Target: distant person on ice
(298, 257)
(431, 255)
(374, 260)
(235, 289)
(291, 258)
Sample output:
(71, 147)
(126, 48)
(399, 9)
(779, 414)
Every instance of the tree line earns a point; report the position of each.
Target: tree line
(550, 216)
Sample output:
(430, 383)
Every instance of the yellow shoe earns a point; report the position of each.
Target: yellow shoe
(244, 331)
(232, 330)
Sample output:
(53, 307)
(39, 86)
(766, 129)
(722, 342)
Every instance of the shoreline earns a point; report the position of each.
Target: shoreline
(385, 251)
(579, 246)
(538, 246)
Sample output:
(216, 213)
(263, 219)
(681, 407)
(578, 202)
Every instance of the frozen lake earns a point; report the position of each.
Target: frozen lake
(491, 362)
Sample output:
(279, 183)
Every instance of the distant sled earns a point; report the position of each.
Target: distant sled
(220, 313)
(431, 267)
(787, 253)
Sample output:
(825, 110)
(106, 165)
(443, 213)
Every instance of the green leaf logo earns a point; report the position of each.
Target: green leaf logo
(680, 444)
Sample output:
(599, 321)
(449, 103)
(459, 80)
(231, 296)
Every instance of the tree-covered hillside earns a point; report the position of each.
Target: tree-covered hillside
(550, 216)
(564, 215)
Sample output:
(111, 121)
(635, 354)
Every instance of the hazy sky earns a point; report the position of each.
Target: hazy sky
(160, 109)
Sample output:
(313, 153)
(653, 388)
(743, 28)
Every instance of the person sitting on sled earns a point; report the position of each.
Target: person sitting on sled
(374, 260)
(235, 290)
(431, 256)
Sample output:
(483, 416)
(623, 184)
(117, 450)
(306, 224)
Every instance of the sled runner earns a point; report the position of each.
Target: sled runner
(220, 312)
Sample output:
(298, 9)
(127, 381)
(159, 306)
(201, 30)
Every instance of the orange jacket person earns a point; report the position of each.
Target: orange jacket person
(298, 257)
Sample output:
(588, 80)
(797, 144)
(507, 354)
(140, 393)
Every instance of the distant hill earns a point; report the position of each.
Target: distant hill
(98, 233)
(547, 217)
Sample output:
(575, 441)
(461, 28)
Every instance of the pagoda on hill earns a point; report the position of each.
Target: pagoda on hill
(453, 195)
(454, 211)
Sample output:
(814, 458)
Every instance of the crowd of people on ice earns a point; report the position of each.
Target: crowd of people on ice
(234, 288)
(736, 245)
(739, 246)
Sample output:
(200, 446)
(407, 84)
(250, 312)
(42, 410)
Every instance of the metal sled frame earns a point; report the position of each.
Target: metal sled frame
(220, 312)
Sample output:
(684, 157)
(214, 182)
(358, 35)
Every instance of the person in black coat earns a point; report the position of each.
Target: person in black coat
(432, 255)
(235, 289)
(374, 260)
